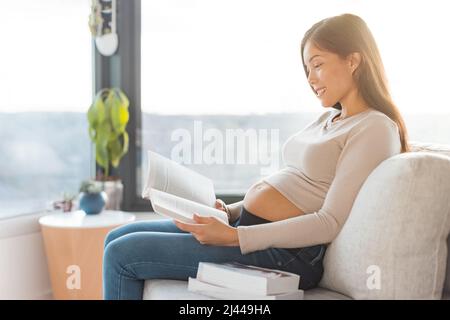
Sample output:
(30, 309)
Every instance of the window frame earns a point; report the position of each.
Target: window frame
(123, 69)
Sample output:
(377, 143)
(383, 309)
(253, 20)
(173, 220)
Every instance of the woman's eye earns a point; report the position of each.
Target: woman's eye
(318, 65)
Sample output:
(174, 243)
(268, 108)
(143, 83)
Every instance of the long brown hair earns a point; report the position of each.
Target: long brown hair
(348, 33)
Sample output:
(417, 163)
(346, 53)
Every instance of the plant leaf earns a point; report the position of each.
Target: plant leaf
(124, 116)
(124, 113)
(115, 115)
(92, 115)
(91, 131)
(100, 109)
(125, 143)
(119, 111)
(115, 149)
(125, 102)
(102, 154)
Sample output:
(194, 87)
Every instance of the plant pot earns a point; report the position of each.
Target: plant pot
(92, 203)
(114, 191)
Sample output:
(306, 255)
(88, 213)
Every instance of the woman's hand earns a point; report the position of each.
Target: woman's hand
(220, 205)
(210, 230)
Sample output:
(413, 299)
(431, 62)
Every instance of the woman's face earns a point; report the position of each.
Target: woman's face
(328, 74)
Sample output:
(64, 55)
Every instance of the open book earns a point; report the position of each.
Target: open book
(178, 192)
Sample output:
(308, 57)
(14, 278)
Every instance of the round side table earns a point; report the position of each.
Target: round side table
(74, 247)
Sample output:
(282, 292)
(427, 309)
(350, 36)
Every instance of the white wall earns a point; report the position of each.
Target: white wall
(23, 264)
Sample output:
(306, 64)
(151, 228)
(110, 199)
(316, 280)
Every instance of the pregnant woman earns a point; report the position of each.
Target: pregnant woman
(287, 219)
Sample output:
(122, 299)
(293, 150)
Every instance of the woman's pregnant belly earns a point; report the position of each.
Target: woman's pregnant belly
(268, 203)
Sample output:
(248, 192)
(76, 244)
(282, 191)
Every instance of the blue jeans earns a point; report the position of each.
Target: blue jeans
(159, 250)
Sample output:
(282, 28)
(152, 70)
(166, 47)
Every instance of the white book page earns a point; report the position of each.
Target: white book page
(166, 175)
(182, 209)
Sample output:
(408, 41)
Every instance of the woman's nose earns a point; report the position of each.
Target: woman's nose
(311, 78)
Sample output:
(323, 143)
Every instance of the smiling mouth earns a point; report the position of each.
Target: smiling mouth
(320, 92)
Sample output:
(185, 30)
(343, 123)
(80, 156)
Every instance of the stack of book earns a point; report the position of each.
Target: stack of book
(234, 281)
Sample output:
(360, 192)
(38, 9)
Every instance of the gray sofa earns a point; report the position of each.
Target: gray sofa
(394, 245)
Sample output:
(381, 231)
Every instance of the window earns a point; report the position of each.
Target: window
(46, 87)
(218, 65)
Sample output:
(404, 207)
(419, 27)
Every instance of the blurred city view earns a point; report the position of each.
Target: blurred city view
(44, 154)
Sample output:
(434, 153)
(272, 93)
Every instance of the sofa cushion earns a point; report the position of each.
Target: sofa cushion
(165, 289)
(447, 273)
(394, 243)
(443, 149)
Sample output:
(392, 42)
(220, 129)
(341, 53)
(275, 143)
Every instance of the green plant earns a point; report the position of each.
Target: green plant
(91, 186)
(66, 203)
(69, 196)
(108, 117)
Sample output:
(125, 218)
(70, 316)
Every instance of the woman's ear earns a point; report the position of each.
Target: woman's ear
(354, 60)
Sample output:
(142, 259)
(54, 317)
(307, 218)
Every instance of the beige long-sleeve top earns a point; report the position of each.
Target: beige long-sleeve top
(326, 164)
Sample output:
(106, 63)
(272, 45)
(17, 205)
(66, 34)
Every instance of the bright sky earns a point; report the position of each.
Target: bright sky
(45, 57)
(241, 56)
(213, 56)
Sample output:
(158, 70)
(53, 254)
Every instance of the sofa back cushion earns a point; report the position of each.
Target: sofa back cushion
(394, 243)
(447, 273)
(417, 146)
